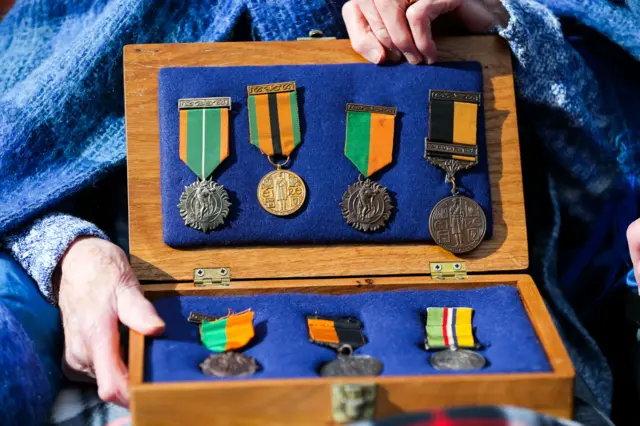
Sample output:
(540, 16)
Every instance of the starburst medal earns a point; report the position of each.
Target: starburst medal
(366, 205)
(275, 129)
(204, 145)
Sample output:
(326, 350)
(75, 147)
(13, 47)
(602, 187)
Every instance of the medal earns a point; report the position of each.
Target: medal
(456, 223)
(204, 144)
(451, 329)
(274, 127)
(367, 205)
(224, 335)
(344, 335)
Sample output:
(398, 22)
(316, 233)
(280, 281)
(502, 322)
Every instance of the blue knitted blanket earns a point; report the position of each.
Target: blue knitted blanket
(62, 121)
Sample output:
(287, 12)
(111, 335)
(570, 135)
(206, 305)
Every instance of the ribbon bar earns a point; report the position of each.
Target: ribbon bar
(448, 327)
(288, 86)
(223, 102)
(447, 95)
(372, 108)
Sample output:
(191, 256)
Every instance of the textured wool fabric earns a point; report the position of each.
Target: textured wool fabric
(323, 92)
(30, 348)
(394, 326)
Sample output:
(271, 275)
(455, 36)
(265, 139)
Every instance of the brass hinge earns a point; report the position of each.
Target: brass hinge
(206, 277)
(316, 35)
(456, 270)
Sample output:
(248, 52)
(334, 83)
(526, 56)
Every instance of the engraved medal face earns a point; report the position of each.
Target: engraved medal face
(366, 206)
(229, 364)
(281, 192)
(458, 359)
(204, 205)
(352, 366)
(457, 224)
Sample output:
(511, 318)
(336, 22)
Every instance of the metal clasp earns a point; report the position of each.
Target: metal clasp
(353, 402)
(448, 270)
(205, 277)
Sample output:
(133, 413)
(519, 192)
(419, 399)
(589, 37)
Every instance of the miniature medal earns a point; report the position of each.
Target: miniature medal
(204, 144)
(344, 335)
(457, 223)
(224, 335)
(275, 129)
(366, 205)
(450, 329)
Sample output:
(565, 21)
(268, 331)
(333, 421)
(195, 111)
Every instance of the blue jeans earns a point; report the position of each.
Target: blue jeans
(31, 342)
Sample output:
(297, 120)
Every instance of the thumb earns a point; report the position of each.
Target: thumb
(134, 310)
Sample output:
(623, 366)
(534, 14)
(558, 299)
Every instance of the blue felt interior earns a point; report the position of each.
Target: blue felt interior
(323, 91)
(393, 325)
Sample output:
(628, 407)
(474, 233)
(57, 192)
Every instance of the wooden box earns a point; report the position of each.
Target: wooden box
(335, 269)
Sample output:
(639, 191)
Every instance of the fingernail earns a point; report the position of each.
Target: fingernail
(374, 56)
(430, 60)
(414, 60)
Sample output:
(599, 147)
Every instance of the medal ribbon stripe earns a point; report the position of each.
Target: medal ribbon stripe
(454, 122)
(225, 334)
(369, 140)
(450, 326)
(322, 331)
(204, 139)
(274, 122)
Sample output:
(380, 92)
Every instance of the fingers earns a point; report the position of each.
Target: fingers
(378, 29)
(393, 14)
(362, 38)
(134, 310)
(633, 239)
(111, 373)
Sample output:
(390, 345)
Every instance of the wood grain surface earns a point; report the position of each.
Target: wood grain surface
(308, 402)
(154, 261)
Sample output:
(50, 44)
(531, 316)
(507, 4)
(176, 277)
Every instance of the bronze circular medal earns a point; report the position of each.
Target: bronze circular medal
(204, 205)
(281, 192)
(457, 224)
(229, 364)
(352, 366)
(366, 206)
(457, 359)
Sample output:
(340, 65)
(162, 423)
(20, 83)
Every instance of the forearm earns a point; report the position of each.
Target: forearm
(39, 246)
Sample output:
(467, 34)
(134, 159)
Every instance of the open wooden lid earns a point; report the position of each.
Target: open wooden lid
(153, 260)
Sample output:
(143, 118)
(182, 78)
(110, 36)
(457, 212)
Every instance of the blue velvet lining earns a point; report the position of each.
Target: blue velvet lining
(323, 91)
(393, 325)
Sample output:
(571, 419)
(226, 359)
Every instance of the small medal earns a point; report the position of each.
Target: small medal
(366, 205)
(450, 329)
(275, 129)
(204, 145)
(456, 223)
(344, 335)
(223, 336)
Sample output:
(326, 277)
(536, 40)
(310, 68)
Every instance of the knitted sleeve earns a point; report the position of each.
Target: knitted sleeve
(39, 246)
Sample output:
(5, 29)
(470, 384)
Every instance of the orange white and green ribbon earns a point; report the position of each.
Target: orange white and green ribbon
(369, 140)
(204, 133)
(448, 327)
(228, 333)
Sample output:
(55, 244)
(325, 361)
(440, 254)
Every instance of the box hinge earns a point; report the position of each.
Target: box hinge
(353, 402)
(456, 270)
(209, 277)
(316, 35)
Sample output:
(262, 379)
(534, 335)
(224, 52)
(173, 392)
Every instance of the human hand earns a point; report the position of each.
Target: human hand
(633, 239)
(96, 288)
(392, 29)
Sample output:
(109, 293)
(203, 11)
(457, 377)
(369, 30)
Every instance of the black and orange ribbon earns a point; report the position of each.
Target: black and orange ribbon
(336, 333)
(453, 125)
